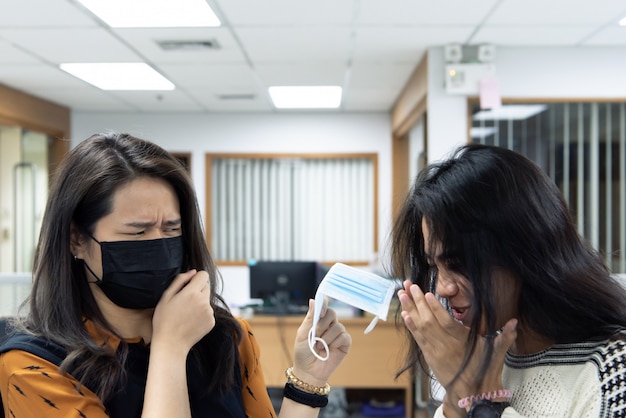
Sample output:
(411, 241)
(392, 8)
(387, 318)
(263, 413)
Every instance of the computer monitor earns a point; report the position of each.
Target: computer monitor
(284, 286)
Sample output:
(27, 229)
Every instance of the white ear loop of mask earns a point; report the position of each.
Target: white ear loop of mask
(319, 301)
(361, 289)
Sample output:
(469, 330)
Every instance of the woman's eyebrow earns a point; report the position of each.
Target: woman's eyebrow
(172, 222)
(139, 224)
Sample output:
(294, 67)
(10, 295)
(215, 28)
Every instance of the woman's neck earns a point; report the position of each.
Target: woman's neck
(127, 323)
(529, 341)
(133, 323)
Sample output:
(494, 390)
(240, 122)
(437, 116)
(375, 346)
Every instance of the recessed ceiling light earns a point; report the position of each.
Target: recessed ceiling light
(482, 132)
(119, 75)
(510, 112)
(153, 13)
(622, 22)
(306, 97)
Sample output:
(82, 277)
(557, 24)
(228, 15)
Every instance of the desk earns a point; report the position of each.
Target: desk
(371, 363)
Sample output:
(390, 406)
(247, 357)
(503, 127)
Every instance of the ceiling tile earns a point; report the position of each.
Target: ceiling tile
(161, 101)
(317, 73)
(403, 44)
(211, 101)
(577, 12)
(532, 35)
(9, 54)
(145, 41)
(217, 75)
(71, 45)
(37, 76)
(363, 99)
(85, 99)
(380, 76)
(294, 44)
(612, 35)
(423, 12)
(44, 14)
(285, 12)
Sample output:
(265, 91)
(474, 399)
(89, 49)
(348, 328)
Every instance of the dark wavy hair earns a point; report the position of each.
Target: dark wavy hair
(60, 300)
(492, 208)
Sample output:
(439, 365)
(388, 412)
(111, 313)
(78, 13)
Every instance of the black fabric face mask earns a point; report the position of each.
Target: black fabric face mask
(136, 273)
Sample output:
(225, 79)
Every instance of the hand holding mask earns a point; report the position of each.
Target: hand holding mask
(361, 289)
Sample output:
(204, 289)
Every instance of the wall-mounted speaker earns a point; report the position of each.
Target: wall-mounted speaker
(486, 53)
(453, 53)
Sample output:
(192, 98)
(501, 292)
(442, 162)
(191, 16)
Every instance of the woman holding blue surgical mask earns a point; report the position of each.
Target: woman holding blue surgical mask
(507, 306)
(125, 295)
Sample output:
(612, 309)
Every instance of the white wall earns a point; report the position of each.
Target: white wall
(200, 133)
(446, 114)
(537, 73)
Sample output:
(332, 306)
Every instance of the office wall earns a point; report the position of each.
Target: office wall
(263, 133)
(537, 73)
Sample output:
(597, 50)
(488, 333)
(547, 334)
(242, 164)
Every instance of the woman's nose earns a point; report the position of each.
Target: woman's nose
(446, 286)
(155, 234)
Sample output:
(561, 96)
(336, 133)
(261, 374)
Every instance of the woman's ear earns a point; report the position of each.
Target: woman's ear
(77, 242)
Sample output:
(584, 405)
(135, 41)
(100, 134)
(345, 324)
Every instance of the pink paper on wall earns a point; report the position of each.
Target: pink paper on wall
(489, 90)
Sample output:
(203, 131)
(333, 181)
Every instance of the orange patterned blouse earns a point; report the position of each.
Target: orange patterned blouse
(34, 387)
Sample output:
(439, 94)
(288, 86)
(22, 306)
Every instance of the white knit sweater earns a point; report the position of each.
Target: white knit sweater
(567, 380)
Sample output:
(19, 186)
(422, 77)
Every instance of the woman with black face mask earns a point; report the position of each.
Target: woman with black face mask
(124, 319)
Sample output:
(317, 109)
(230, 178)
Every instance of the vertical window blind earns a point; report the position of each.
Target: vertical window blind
(582, 146)
(292, 207)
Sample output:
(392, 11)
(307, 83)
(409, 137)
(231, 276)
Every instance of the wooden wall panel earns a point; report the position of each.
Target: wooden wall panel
(30, 112)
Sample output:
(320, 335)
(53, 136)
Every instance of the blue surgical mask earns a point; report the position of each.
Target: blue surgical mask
(136, 273)
(361, 289)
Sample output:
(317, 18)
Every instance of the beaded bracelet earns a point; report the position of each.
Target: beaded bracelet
(317, 390)
(496, 394)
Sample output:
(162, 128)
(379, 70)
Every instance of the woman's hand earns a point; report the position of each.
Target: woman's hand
(181, 318)
(309, 368)
(184, 314)
(444, 343)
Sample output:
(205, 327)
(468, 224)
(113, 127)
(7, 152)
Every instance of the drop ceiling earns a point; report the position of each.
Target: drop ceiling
(369, 47)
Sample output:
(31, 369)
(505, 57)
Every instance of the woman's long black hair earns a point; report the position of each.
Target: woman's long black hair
(492, 208)
(81, 193)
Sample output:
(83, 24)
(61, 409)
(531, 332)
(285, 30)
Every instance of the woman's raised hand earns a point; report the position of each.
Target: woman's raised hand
(307, 366)
(444, 343)
(184, 314)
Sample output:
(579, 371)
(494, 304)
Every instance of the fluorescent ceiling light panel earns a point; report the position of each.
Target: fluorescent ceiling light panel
(510, 112)
(622, 22)
(153, 13)
(119, 75)
(306, 97)
(482, 132)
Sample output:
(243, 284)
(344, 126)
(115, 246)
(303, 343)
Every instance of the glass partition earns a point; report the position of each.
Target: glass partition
(23, 194)
(582, 146)
(24, 189)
